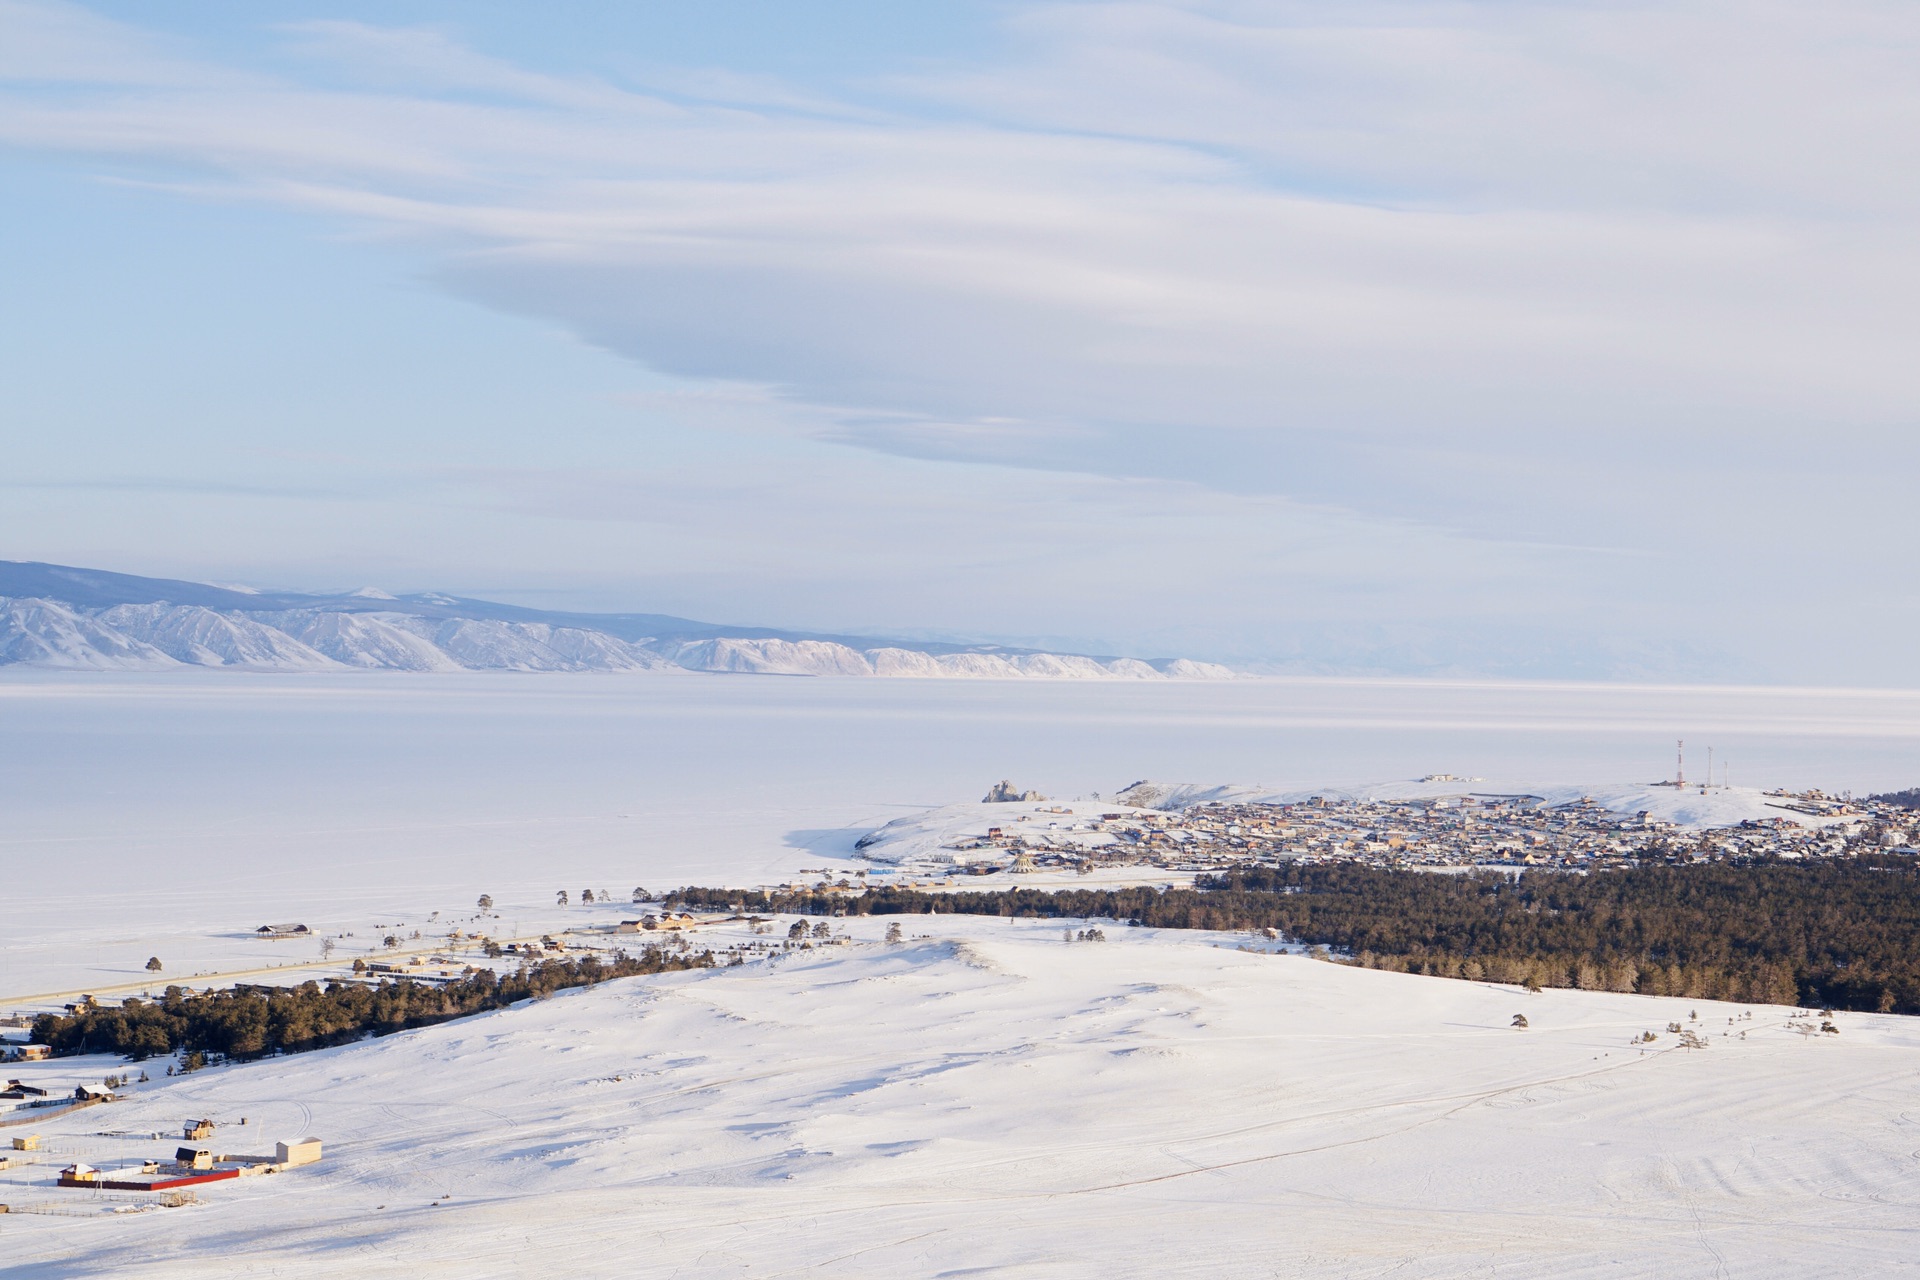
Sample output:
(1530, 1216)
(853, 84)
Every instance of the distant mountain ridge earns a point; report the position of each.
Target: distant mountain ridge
(60, 616)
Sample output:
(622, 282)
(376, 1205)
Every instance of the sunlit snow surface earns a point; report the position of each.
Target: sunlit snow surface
(987, 1100)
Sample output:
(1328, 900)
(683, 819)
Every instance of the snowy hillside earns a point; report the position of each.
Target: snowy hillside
(81, 619)
(929, 838)
(984, 1100)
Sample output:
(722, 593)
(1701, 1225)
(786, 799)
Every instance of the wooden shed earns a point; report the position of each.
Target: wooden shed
(305, 1151)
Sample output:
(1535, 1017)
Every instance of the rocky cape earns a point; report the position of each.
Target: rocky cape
(57, 616)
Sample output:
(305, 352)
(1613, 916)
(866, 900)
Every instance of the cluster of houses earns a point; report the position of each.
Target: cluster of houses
(1469, 829)
(20, 1096)
(190, 1166)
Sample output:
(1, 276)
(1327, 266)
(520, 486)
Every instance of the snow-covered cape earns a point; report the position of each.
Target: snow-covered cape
(83, 619)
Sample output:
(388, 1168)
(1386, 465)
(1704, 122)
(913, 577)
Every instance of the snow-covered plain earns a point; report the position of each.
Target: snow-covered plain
(987, 1100)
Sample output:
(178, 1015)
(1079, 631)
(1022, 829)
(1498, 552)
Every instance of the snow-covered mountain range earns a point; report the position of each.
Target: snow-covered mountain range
(64, 617)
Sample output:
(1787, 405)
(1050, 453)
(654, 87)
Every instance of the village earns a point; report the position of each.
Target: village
(1439, 832)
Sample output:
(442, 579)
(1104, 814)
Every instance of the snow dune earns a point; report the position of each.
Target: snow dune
(990, 1101)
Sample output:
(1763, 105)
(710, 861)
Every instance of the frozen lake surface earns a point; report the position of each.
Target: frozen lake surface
(150, 813)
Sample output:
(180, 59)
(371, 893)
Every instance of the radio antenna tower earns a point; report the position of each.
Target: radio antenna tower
(1680, 763)
(1709, 769)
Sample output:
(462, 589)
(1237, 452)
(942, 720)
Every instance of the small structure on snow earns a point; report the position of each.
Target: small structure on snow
(305, 1151)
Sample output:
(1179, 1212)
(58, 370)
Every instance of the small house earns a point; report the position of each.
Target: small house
(15, 1091)
(92, 1093)
(79, 1175)
(282, 931)
(193, 1158)
(670, 920)
(196, 1130)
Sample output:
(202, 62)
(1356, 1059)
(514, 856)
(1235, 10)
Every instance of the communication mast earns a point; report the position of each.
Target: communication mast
(1680, 763)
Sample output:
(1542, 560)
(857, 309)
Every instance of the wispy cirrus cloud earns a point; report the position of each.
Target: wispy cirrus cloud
(1266, 217)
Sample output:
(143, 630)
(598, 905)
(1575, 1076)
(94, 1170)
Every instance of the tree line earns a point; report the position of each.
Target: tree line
(254, 1022)
(1839, 933)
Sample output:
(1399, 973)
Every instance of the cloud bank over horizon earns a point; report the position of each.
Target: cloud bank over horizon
(1554, 339)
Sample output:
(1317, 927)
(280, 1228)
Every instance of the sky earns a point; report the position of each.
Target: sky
(1538, 339)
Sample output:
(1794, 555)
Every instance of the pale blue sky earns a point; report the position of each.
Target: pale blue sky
(1557, 338)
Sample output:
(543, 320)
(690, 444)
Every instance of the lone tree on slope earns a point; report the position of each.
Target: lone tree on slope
(586, 895)
(153, 964)
(486, 902)
(560, 898)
